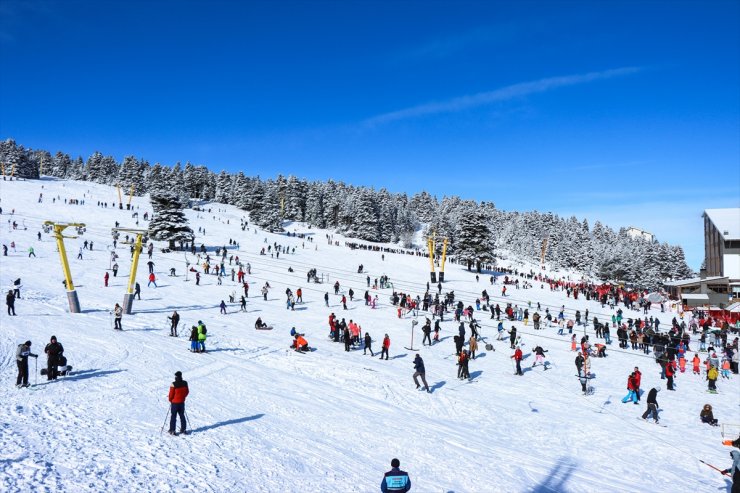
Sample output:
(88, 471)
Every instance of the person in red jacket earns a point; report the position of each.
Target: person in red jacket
(105, 279)
(386, 345)
(518, 358)
(631, 389)
(178, 392)
(638, 381)
(669, 372)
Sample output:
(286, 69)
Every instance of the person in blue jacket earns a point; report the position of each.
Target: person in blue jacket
(395, 479)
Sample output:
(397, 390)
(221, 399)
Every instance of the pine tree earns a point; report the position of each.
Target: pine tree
(169, 222)
(474, 240)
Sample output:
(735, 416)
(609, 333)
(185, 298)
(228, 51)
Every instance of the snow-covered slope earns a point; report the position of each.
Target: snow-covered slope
(265, 418)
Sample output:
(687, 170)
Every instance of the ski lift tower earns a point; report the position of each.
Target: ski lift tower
(57, 229)
(128, 298)
(430, 247)
(442, 262)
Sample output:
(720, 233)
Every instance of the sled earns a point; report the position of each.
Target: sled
(269, 327)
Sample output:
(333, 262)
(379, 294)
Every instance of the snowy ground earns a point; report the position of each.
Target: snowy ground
(268, 419)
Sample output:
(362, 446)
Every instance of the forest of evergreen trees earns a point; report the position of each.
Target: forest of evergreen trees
(475, 230)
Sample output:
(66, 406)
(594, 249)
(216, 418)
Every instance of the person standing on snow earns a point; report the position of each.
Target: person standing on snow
(517, 356)
(395, 480)
(21, 359)
(193, 339)
(178, 393)
(118, 315)
(202, 334)
(652, 405)
(734, 470)
(10, 301)
(368, 344)
(420, 372)
(632, 387)
(105, 279)
(175, 319)
(385, 347)
(137, 291)
(53, 351)
(223, 307)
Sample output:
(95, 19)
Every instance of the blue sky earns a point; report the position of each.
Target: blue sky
(628, 112)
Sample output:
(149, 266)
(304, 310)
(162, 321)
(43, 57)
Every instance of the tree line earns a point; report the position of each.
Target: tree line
(477, 232)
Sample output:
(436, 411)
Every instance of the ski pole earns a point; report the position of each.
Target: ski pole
(187, 418)
(36, 372)
(715, 468)
(165, 421)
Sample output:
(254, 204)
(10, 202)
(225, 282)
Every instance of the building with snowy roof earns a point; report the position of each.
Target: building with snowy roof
(722, 245)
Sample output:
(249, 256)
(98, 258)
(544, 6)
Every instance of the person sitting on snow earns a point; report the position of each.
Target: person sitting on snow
(300, 344)
(259, 324)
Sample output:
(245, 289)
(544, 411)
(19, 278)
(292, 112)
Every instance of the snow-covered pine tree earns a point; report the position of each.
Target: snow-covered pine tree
(224, 185)
(17, 161)
(474, 240)
(315, 205)
(169, 222)
(365, 224)
(60, 165)
(270, 215)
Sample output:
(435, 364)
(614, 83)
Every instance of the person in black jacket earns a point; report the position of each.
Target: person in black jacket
(10, 301)
(427, 331)
(53, 351)
(420, 372)
(368, 344)
(652, 404)
(21, 359)
(175, 318)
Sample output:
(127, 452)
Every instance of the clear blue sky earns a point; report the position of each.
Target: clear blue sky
(624, 111)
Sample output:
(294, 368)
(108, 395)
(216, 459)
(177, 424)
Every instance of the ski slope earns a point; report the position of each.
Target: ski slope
(267, 419)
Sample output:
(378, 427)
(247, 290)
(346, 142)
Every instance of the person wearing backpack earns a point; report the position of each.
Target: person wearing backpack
(202, 331)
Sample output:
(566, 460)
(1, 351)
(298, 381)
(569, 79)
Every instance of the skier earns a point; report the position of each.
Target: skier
(118, 314)
(53, 351)
(21, 359)
(115, 270)
(175, 318)
(178, 393)
(344, 302)
(150, 264)
(368, 344)
(385, 347)
(712, 375)
(539, 356)
(420, 372)
(223, 307)
(31, 252)
(137, 291)
(517, 356)
(10, 301)
(396, 480)
(652, 405)
(152, 279)
(243, 306)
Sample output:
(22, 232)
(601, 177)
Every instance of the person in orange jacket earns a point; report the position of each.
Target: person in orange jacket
(518, 358)
(300, 343)
(178, 392)
(696, 362)
(682, 364)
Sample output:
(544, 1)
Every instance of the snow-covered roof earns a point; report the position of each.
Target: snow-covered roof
(695, 280)
(735, 307)
(727, 222)
(698, 297)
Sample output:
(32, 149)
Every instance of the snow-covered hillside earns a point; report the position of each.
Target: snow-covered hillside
(265, 418)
